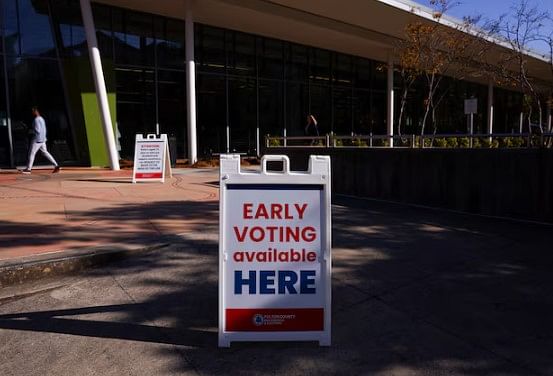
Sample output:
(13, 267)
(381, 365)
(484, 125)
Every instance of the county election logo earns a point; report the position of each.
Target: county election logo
(258, 320)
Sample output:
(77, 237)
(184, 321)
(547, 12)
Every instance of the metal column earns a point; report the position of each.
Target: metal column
(99, 83)
(190, 86)
(390, 100)
(490, 108)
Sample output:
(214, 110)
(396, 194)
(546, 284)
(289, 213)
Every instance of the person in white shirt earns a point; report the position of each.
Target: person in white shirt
(38, 142)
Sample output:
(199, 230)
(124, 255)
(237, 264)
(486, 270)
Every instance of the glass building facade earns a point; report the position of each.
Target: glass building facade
(246, 85)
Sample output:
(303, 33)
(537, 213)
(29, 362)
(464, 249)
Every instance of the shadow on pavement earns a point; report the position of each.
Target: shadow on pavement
(414, 291)
(123, 223)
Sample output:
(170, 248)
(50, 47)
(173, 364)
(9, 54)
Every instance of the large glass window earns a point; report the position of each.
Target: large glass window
(172, 106)
(170, 43)
(273, 85)
(211, 114)
(67, 16)
(104, 34)
(271, 107)
(37, 82)
(10, 27)
(297, 62)
(242, 115)
(270, 55)
(297, 108)
(135, 105)
(241, 54)
(35, 29)
(210, 51)
(321, 107)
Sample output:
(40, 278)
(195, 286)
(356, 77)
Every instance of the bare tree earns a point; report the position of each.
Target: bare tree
(547, 38)
(520, 29)
(433, 50)
(408, 79)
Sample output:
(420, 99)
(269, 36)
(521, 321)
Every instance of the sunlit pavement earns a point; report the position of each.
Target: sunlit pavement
(415, 291)
(84, 208)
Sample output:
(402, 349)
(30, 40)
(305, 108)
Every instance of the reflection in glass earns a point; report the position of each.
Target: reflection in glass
(321, 107)
(10, 26)
(271, 109)
(242, 115)
(67, 17)
(37, 82)
(172, 106)
(170, 43)
(342, 123)
(297, 62)
(211, 114)
(210, 50)
(297, 109)
(241, 54)
(135, 105)
(270, 53)
(35, 29)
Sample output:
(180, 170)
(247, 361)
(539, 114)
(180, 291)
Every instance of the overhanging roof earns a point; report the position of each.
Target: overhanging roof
(368, 28)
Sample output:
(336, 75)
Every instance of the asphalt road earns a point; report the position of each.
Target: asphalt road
(415, 291)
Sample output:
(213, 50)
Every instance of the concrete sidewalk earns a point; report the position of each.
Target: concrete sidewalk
(415, 292)
(82, 209)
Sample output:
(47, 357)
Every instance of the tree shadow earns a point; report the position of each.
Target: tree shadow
(414, 291)
(124, 223)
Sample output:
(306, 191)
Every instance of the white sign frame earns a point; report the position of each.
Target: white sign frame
(165, 158)
(318, 175)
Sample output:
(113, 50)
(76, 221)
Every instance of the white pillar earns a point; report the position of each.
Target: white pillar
(390, 99)
(99, 83)
(490, 108)
(190, 86)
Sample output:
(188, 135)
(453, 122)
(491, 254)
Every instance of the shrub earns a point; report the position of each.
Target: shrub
(274, 142)
(452, 142)
(338, 142)
(440, 142)
(486, 142)
(517, 142)
(505, 142)
(476, 143)
(358, 142)
(494, 144)
(464, 142)
(427, 142)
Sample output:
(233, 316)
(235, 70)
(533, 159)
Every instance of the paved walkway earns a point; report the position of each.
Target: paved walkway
(83, 208)
(415, 292)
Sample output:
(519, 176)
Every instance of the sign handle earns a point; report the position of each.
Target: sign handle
(275, 158)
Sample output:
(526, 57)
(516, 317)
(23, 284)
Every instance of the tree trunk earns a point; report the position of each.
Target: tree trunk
(402, 110)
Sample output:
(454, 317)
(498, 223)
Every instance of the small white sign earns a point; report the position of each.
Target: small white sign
(151, 158)
(471, 106)
(274, 252)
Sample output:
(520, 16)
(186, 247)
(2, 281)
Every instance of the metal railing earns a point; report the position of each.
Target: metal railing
(459, 141)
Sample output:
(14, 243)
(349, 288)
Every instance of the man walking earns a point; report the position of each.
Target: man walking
(38, 142)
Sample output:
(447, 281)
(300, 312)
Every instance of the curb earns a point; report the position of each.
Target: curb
(63, 263)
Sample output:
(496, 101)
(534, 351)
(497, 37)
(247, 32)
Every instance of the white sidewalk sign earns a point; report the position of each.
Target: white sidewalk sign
(151, 158)
(274, 252)
(471, 106)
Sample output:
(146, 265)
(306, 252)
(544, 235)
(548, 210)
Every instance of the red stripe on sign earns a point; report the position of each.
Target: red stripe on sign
(148, 175)
(274, 320)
